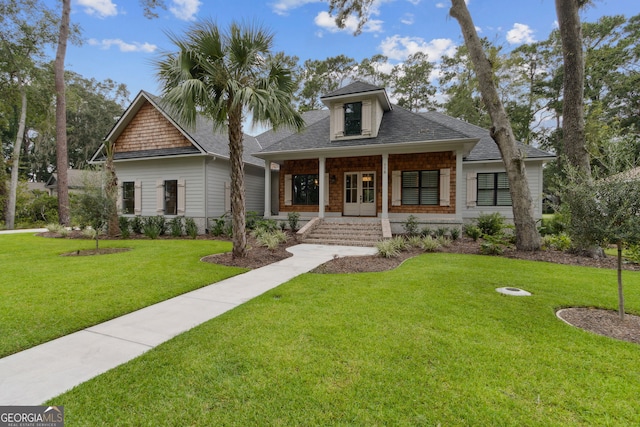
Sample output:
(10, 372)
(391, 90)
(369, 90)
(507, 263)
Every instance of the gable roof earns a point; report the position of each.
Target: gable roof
(486, 149)
(359, 88)
(204, 141)
(270, 137)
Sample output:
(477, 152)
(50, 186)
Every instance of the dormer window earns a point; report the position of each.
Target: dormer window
(353, 118)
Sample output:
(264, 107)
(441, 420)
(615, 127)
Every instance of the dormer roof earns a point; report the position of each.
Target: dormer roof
(356, 90)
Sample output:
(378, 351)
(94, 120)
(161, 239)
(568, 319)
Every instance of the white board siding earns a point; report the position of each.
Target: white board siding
(219, 173)
(534, 177)
(149, 172)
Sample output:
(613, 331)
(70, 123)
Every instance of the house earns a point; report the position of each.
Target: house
(362, 157)
(365, 157)
(165, 168)
(77, 181)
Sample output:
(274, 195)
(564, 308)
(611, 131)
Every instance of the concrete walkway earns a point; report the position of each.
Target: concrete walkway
(45, 371)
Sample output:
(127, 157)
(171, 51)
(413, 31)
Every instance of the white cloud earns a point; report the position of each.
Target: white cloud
(101, 8)
(441, 5)
(124, 46)
(399, 48)
(414, 2)
(520, 33)
(328, 22)
(408, 19)
(185, 10)
(282, 7)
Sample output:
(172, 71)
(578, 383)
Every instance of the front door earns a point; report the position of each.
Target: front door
(360, 194)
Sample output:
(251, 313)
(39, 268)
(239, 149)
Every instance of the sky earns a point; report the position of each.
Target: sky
(120, 43)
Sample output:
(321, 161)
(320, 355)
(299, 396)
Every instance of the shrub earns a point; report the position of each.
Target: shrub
(175, 226)
(137, 224)
(441, 231)
(443, 241)
(415, 241)
(190, 227)
(426, 231)
(252, 220)
(429, 244)
(411, 225)
(552, 225)
(282, 225)
(271, 239)
(123, 222)
(153, 227)
(269, 225)
(293, 218)
(387, 249)
(89, 233)
(491, 224)
(560, 242)
(55, 228)
(218, 225)
(473, 231)
(455, 233)
(493, 245)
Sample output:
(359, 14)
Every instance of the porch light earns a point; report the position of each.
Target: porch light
(366, 179)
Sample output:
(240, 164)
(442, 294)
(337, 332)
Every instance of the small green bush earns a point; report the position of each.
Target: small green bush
(473, 231)
(411, 226)
(559, 242)
(491, 224)
(444, 241)
(175, 226)
(441, 231)
(190, 227)
(218, 225)
(252, 220)
(137, 224)
(387, 249)
(493, 245)
(293, 218)
(429, 244)
(415, 241)
(400, 243)
(89, 233)
(427, 231)
(455, 233)
(123, 223)
(154, 226)
(271, 239)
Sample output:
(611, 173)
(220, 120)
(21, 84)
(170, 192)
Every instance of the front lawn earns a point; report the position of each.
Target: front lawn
(430, 343)
(45, 295)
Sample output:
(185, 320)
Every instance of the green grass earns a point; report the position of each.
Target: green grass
(45, 295)
(430, 343)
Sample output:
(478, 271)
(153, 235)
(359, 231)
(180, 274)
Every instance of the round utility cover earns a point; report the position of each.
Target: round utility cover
(514, 291)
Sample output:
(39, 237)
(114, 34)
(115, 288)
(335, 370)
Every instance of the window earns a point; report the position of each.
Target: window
(171, 197)
(306, 190)
(128, 197)
(353, 118)
(420, 187)
(493, 189)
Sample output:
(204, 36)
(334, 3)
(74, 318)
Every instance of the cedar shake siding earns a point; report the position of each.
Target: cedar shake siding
(337, 167)
(150, 130)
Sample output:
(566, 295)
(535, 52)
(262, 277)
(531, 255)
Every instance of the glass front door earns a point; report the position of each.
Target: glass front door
(360, 194)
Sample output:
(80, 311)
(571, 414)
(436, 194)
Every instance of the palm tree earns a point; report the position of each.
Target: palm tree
(226, 76)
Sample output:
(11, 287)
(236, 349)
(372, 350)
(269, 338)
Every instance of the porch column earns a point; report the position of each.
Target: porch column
(460, 181)
(385, 185)
(267, 188)
(323, 184)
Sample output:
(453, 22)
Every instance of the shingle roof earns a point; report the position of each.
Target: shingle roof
(216, 143)
(268, 138)
(397, 126)
(486, 148)
(355, 87)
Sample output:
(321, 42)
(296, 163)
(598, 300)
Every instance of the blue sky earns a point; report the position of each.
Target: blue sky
(120, 43)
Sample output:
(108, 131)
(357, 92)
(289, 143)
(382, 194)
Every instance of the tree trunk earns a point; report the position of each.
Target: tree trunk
(237, 182)
(620, 293)
(111, 184)
(15, 161)
(62, 157)
(527, 237)
(573, 134)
